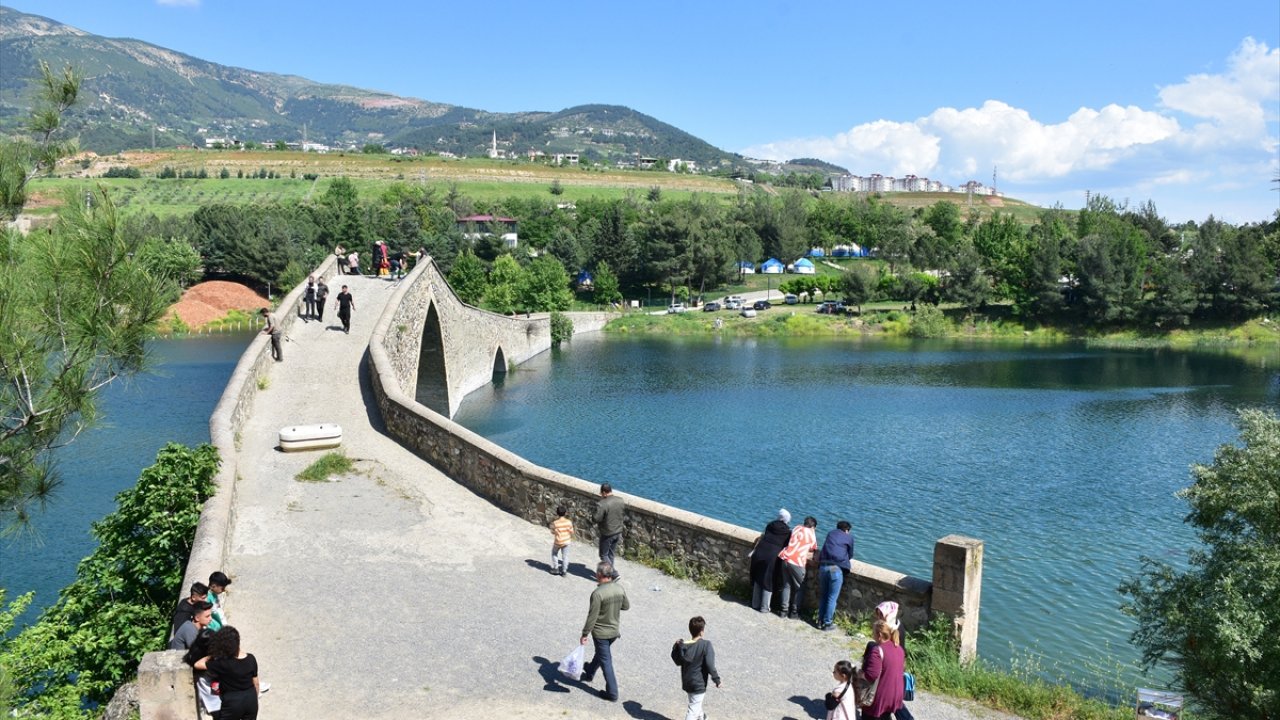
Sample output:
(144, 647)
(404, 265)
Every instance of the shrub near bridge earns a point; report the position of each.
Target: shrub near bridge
(119, 606)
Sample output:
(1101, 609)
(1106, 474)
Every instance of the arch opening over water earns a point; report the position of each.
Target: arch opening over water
(499, 365)
(432, 388)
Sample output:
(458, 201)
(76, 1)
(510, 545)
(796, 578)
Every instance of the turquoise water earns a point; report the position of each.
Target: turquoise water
(173, 402)
(1064, 460)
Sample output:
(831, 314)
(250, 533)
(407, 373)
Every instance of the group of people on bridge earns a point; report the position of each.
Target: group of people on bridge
(385, 262)
(873, 689)
(226, 677)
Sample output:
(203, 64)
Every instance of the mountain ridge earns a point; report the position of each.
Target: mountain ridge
(139, 95)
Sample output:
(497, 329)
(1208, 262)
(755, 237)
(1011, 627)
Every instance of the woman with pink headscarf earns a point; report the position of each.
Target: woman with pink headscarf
(888, 612)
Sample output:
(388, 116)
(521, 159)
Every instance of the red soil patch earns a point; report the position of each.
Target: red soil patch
(208, 301)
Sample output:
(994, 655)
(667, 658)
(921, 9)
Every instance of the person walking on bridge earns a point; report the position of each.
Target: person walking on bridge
(346, 304)
(308, 309)
(610, 512)
(322, 294)
(603, 626)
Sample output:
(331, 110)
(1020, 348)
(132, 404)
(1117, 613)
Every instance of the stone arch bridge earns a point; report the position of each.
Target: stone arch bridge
(441, 348)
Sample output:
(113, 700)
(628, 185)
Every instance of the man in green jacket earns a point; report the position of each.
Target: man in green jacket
(608, 601)
(610, 513)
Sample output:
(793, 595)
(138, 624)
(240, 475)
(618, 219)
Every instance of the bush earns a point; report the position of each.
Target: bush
(929, 322)
(561, 328)
(1215, 622)
(120, 604)
(122, 172)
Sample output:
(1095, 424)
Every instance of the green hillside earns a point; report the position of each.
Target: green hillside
(138, 95)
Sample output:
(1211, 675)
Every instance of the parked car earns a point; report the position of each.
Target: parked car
(790, 299)
(827, 307)
(711, 306)
(733, 302)
(761, 305)
(676, 308)
(748, 312)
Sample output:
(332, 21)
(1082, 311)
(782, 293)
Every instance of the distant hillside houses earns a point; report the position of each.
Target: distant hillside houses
(910, 183)
(221, 142)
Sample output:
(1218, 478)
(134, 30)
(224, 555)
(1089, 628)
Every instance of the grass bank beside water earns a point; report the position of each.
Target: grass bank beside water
(1261, 335)
(933, 656)
(1022, 689)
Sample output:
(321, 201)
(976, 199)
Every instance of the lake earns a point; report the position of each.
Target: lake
(172, 402)
(1063, 459)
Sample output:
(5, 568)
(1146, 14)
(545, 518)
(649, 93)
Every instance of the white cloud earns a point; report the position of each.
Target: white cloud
(1202, 134)
(965, 143)
(1235, 103)
(891, 147)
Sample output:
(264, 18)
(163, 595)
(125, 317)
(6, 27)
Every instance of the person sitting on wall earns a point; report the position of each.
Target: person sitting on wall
(185, 637)
(194, 638)
(187, 605)
(218, 582)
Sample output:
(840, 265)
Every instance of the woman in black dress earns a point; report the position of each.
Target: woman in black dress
(765, 562)
(236, 673)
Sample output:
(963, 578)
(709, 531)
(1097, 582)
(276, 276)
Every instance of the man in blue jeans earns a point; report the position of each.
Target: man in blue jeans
(833, 563)
(603, 627)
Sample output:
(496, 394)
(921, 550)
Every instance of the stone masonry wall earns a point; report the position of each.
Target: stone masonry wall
(470, 337)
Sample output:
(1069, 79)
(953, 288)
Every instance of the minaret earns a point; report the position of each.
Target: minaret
(493, 149)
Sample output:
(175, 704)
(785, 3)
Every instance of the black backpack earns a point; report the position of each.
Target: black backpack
(199, 647)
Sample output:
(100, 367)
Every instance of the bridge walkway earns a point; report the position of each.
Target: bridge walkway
(392, 592)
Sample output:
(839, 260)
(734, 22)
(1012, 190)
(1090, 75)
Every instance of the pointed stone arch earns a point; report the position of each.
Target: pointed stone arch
(499, 364)
(433, 379)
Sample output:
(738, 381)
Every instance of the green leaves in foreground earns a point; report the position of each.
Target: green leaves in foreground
(1215, 623)
(76, 309)
(118, 608)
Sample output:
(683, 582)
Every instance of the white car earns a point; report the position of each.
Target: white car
(748, 312)
(676, 308)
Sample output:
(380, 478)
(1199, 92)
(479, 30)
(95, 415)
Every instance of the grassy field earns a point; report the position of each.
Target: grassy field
(480, 179)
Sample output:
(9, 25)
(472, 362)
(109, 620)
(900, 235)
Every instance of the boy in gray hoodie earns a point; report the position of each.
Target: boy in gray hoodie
(697, 661)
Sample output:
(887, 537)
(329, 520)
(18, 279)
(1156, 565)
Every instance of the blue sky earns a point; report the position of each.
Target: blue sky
(1176, 101)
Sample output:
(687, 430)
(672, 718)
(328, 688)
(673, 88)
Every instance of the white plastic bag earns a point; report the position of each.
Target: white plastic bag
(571, 665)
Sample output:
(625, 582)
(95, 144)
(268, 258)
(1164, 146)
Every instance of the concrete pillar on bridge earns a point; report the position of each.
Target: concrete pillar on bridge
(957, 588)
(166, 687)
